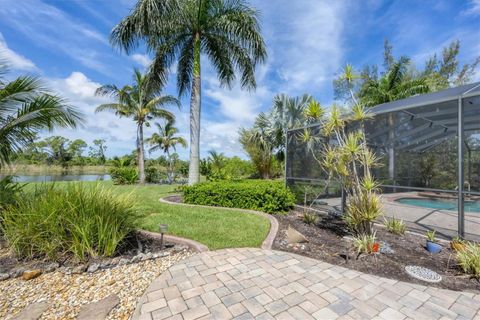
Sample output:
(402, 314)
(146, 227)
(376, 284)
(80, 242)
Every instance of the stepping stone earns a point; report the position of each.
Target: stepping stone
(293, 236)
(32, 312)
(98, 310)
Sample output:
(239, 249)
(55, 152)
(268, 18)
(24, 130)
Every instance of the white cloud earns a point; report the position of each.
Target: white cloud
(474, 8)
(15, 60)
(79, 91)
(142, 59)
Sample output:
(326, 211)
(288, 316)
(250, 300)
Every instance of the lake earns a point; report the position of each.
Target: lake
(60, 177)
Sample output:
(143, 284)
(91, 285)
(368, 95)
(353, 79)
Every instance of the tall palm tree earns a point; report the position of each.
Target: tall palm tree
(165, 140)
(27, 107)
(226, 31)
(140, 101)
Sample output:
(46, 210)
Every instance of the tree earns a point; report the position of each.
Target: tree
(76, 148)
(99, 153)
(57, 148)
(165, 140)
(140, 101)
(227, 32)
(27, 107)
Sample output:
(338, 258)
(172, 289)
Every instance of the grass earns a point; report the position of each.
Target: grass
(216, 228)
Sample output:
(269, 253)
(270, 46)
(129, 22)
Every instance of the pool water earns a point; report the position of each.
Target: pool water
(443, 204)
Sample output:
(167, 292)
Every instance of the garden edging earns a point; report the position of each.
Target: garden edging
(267, 242)
(192, 244)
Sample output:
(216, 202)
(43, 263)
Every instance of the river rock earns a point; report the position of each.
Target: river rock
(51, 267)
(93, 267)
(4, 276)
(293, 236)
(31, 274)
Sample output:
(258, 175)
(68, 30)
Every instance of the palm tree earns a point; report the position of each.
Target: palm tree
(27, 107)
(395, 84)
(140, 101)
(165, 140)
(226, 31)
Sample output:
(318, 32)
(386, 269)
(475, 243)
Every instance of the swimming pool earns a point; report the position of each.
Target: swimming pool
(444, 204)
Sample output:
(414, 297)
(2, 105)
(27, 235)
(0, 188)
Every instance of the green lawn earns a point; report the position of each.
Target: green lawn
(216, 228)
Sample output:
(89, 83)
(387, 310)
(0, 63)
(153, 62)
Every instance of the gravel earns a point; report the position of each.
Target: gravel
(65, 294)
(424, 274)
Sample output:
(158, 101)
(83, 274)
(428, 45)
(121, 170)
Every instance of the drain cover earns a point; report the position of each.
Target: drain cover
(424, 274)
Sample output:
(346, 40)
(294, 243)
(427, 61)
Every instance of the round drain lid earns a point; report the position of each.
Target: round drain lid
(423, 274)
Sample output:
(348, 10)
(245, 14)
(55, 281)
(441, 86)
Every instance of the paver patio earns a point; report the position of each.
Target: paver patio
(266, 284)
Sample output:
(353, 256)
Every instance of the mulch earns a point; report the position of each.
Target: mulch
(330, 241)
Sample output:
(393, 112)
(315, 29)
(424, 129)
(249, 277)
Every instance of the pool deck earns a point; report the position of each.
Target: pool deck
(421, 219)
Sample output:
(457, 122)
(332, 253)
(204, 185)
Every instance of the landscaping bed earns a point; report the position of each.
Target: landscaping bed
(135, 248)
(329, 241)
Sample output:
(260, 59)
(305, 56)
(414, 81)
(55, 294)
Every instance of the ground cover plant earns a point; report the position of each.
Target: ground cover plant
(216, 228)
(266, 196)
(83, 221)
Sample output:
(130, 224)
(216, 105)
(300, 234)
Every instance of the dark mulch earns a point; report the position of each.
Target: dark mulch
(130, 247)
(327, 243)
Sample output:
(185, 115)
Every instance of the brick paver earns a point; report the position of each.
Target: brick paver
(266, 284)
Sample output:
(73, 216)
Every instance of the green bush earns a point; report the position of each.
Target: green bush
(124, 175)
(154, 174)
(261, 195)
(78, 220)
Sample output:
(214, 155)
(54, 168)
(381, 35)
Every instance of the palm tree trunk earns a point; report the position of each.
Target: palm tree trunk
(170, 168)
(195, 108)
(141, 152)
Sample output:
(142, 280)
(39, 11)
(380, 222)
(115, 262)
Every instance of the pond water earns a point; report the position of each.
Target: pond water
(60, 177)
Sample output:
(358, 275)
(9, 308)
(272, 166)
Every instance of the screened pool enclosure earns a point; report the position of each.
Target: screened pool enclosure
(429, 146)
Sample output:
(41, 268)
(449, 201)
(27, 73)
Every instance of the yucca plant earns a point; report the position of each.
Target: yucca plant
(346, 158)
(395, 226)
(310, 218)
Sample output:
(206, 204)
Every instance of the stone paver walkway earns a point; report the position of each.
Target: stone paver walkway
(266, 284)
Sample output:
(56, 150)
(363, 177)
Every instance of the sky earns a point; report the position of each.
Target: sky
(66, 43)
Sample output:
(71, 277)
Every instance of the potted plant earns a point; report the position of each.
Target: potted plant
(432, 245)
(457, 244)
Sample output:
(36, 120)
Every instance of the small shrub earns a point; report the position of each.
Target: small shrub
(124, 175)
(364, 243)
(266, 196)
(430, 235)
(77, 220)
(154, 175)
(395, 226)
(469, 259)
(310, 218)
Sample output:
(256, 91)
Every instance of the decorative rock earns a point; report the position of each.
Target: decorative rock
(385, 248)
(4, 276)
(293, 236)
(18, 272)
(423, 274)
(79, 269)
(123, 262)
(148, 256)
(32, 312)
(51, 267)
(31, 274)
(93, 267)
(98, 310)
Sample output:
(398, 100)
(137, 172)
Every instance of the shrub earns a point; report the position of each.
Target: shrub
(9, 192)
(154, 174)
(266, 196)
(430, 235)
(310, 218)
(469, 259)
(395, 226)
(364, 243)
(124, 175)
(77, 220)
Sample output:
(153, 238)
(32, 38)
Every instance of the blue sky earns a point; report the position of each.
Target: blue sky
(66, 43)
